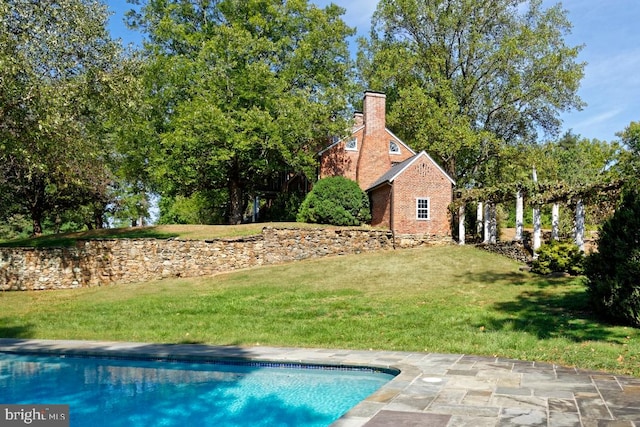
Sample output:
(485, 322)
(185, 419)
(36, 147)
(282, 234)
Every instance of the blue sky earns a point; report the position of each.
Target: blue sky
(607, 29)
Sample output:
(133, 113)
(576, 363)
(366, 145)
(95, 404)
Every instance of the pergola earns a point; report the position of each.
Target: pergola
(538, 195)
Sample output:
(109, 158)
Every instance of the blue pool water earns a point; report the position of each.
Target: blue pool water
(112, 392)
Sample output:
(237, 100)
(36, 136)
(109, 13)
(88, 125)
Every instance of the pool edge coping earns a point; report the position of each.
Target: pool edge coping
(421, 393)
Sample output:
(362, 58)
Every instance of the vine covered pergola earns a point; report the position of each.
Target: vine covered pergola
(538, 194)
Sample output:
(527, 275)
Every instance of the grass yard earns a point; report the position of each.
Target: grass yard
(449, 299)
(191, 232)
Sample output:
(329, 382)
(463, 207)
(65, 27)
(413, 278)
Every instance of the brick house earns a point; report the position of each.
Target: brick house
(409, 192)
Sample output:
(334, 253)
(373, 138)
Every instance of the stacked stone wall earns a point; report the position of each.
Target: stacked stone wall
(103, 262)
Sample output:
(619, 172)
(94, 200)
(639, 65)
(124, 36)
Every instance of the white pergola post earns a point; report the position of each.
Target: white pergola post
(519, 217)
(487, 215)
(555, 222)
(493, 224)
(479, 211)
(579, 225)
(537, 226)
(537, 229)
(461, 229)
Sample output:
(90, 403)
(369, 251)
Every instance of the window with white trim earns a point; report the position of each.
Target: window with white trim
(422, 208)
(394, 148)
(351, 144)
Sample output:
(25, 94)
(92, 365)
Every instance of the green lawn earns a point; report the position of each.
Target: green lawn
(193, 232)
(449, 299)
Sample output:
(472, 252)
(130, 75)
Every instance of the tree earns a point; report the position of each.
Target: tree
(337, 201)
(580, 160)
(56, 71)
(242, 91)
(613, 270)
(629, 165)
(465, 78)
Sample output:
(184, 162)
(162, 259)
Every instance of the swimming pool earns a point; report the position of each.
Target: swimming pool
(129, 392)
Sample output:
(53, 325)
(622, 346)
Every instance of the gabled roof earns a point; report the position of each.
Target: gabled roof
(400, 141)
(321, 152)
(389, 176)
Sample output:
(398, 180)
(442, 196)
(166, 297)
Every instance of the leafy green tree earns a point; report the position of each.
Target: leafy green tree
(465, 78)
(196, 209)
(240, 91)
(629, 165)
(337, 201)
(613, 270)
(56, 74)
(578, 161)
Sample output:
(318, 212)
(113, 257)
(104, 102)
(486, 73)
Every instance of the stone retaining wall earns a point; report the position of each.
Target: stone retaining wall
(103, 262)
(515, 251)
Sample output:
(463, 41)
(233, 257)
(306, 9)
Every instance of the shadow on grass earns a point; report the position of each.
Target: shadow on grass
(522, 278)
(554, 310)
(22, 331)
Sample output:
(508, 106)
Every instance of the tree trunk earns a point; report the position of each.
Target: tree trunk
(57, 224)
(37, 209)
(236, 196)
(37, 226)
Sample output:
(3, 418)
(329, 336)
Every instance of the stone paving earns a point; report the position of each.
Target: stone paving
(434, 390)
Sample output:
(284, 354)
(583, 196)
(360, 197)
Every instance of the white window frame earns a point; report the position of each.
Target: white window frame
(420, 210)
(394, 144)
(355, 144)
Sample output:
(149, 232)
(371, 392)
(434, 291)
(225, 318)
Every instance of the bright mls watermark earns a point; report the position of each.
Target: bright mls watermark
(34, 415)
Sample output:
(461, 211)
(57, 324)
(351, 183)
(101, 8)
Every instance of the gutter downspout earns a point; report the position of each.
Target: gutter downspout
(393, 233)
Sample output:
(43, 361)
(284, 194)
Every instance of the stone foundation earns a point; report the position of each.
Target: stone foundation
(104, 262)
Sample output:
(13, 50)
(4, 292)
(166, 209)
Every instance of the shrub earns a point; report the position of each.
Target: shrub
(613, 273)
(283, 208)
(336, 201)
(563, 257)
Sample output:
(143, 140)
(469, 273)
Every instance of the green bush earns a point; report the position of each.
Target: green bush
(284, 207)
(199, 208)
(613, 273)
(559, 257)
(336, 201)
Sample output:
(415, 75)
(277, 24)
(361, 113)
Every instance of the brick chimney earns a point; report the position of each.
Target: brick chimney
(358, 119)
(373, 159)
(374, 111)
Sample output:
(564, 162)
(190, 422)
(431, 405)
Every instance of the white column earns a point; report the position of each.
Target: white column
(579, 229)
(493, 224)
(555, 222)
(537, 229)
(461, 230)
(537, 226)
(479, 211)
(519, 217)
(487, 218)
